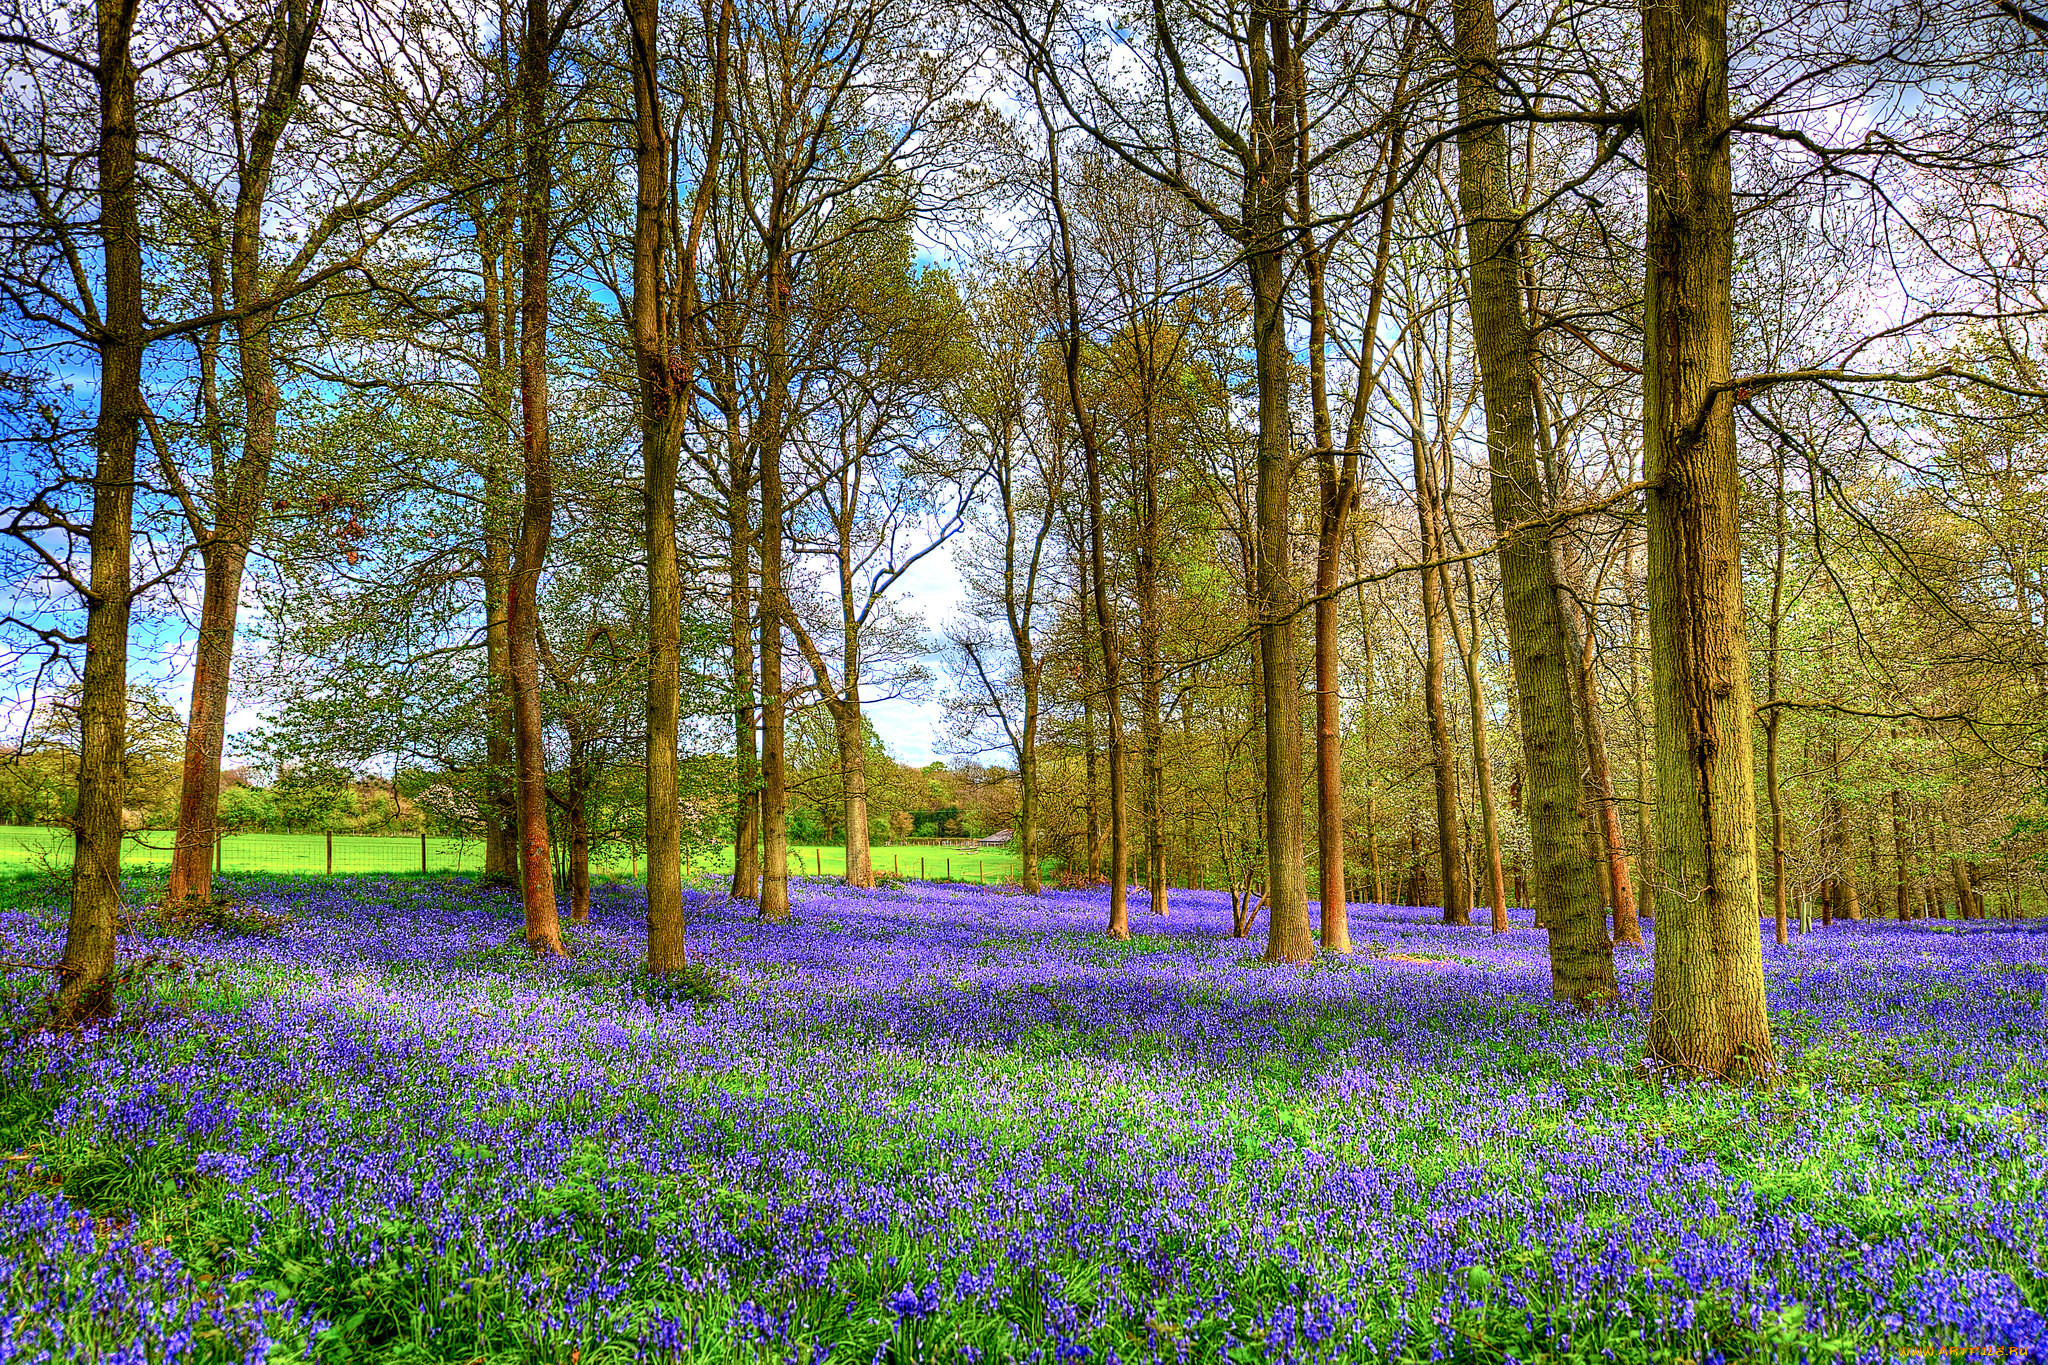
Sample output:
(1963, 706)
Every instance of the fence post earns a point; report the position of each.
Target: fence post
(920, 868)
(330, 853)
(220, 855)
(423, 850)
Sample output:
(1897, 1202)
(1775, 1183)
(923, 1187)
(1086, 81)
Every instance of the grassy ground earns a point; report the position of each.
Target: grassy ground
(24, 846)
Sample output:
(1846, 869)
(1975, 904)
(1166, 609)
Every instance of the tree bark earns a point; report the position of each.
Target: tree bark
(536, 520)
(1567, 904)
(1708, 1012)
(85, 987)
(1288, 933)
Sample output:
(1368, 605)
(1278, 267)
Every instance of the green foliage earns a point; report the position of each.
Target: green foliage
(695, 983)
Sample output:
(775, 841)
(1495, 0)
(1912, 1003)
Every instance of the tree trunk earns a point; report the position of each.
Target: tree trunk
(1904, 896)
(225, 551)
(1708, 1012)
(529, 753)
(774, 772)
(500, 807)
(579, 851)
(1119, 848)
(1288, 934)
(746, 832)
(192, 852)
(853, 778)
(1457, 900)
(1843, 884)
(1567, 904)
(1482, 757)
(85, 988)
(1603, 807)
(1027, 795)
(664, 338)
(501, 792)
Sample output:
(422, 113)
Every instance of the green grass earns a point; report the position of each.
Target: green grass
(27, 846)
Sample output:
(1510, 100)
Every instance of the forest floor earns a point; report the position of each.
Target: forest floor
(949, 1123)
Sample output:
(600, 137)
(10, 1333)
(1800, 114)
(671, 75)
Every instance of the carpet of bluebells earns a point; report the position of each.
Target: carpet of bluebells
(952, 1123)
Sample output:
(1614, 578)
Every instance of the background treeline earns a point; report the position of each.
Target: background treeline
(1440, 455)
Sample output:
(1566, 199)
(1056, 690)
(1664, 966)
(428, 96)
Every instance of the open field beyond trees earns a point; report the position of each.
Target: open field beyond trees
(941, 1122)
(36, 846)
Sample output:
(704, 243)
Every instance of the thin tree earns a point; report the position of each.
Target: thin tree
(1105, 635)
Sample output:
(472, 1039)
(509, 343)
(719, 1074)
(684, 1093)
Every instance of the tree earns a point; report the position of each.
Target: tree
(1707, 1015)
(1581, 961)
(1007, 560)
(664, 328)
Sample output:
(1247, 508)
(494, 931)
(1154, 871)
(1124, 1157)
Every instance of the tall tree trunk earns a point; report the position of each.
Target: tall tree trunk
(1708, 1014)
(1027, 776)
(851, 737)
(500, 785)
(1288, 934)
(774, 402)
(579, 850)
(85, 990)
(501, 791)
(225, 551)
(1847, 904)
(1457, 899)
(1603, 806)
(663, 323)
(1337, 489)
(1567, 903)
(746, 834)
(536, 520)
(1775, 715)
(1904, 896)
(1091, 805)
(1482, 757)
(1151, 675)
(1105, 637)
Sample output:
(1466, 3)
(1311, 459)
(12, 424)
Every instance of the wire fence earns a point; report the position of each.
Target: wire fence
(305, 853)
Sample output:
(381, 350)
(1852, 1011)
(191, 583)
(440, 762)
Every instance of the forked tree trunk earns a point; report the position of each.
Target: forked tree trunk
(1567, 903)
(85, 988)
(225, 551)
(1708, 1015)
